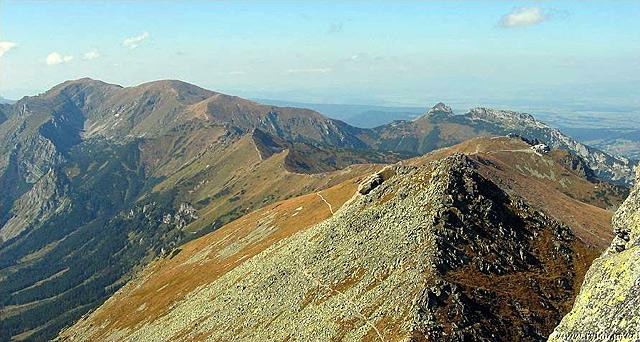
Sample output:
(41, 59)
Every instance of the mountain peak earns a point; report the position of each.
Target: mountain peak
(176, 84)
(440, 108)
(85, 81)
(184, 91)
(80, 84)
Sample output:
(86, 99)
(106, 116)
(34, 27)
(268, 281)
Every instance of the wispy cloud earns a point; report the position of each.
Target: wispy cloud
(309, 71)
(523, 17)
(134, 42)
(5, 46)
(56, 58)
(358, 57)
(91, 54)
(362, 57)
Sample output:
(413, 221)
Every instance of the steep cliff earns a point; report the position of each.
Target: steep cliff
(608, 306)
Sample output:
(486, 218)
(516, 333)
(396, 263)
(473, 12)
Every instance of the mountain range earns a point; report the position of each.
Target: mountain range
(99, 181)
(5, 101)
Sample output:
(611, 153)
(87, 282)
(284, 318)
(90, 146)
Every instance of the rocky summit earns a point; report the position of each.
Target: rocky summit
(432, 250)
(439, 109)
(607, 308)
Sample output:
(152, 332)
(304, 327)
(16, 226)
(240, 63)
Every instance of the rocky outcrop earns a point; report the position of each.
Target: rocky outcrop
(30, 182)
(607, 308)
(370, 183)
(541, 148)
(45, 198)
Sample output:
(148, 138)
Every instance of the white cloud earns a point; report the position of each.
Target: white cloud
(358, 57)
(309, 71)
(91, 54)
(56, 58)
(134, 42)
(523, 16)
(5, 46)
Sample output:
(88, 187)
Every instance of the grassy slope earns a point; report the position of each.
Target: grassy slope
(217, 253)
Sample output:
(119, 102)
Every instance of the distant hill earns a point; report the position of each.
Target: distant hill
(441, 127)
(5, 101)
(364, 116)
(412, 130)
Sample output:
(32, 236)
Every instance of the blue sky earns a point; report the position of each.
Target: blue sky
(394, 52)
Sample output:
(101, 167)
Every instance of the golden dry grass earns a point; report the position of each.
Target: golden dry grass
(202, 261)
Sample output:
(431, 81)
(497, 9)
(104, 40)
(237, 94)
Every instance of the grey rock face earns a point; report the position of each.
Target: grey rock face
(606, 308)
(439, 110)
(370, 183)
(541, 148)
(30, 183)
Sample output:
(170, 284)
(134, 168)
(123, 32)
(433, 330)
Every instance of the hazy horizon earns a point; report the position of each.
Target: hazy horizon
(521, 54)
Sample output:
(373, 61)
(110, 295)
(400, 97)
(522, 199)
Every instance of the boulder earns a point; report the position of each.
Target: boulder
(370, 183)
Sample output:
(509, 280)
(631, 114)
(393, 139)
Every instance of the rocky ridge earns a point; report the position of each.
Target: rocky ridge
(472, 262)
